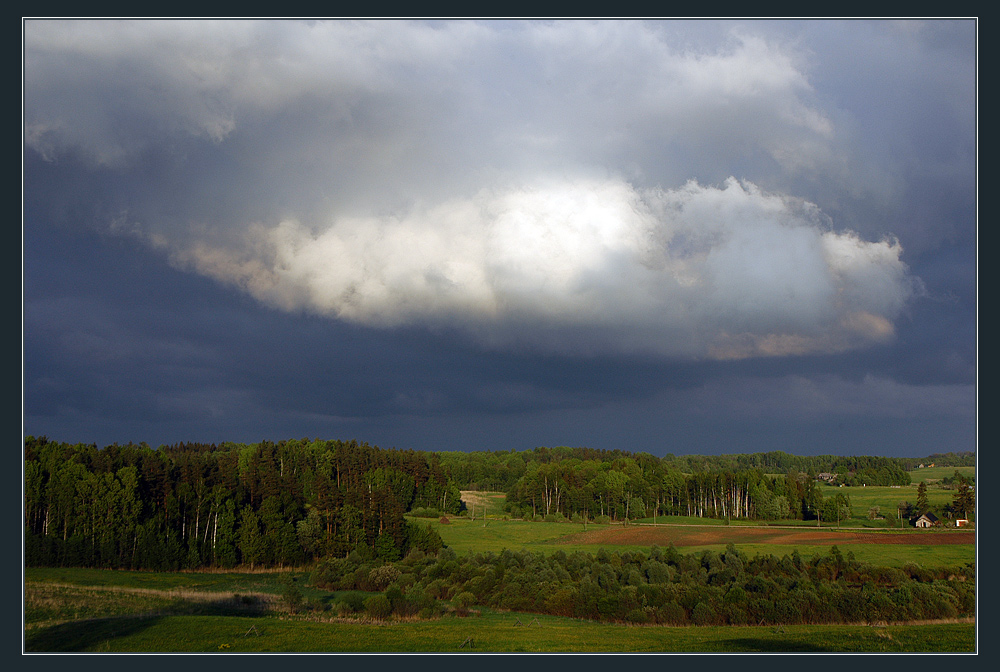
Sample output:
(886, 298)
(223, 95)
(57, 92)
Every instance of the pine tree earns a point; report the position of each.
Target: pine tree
(922, 505)
(965, 498)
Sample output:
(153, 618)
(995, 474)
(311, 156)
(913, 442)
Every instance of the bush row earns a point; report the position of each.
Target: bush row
(662, 586)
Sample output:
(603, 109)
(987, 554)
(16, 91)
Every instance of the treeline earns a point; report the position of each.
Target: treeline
(273, 504)
(663, 586)
(576, 483)
(964, 459)
(849, 470)
(196, 505)
(629, 488)
(500, 470)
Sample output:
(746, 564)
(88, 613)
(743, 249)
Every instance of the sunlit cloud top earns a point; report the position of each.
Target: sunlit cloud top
(569, 187)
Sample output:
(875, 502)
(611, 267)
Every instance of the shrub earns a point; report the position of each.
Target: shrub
(378, 606)
(463, 601)
(432, 611)
(639, 616)
(291, 594)
(704, 614)
(329, 574)
(418, 600)
(671, 613)
(381, 577)
(351, 602)
(735, 595)
(658, 572)
(415, 555)
(561, 602)
(735, 614)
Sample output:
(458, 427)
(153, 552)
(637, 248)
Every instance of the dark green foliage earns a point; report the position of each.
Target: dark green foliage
(197, 505)
(352, 601)
(581, 484)
(706, 588)
(965, 499)
(378, 606)
(922, 506)
(291, 594)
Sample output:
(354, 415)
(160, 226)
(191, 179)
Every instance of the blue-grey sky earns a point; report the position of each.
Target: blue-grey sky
(676, 236)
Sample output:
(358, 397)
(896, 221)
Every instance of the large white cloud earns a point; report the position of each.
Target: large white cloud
(721, 272)
(498, 178)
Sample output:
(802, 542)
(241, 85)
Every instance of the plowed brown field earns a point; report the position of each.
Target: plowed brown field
(705, 536)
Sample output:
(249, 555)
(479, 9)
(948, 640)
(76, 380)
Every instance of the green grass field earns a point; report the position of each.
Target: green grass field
(929, 474)
(485, 632)
(465, 536)
(887, 498)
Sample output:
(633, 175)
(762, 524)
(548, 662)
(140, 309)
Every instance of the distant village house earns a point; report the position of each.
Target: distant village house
(926, 520)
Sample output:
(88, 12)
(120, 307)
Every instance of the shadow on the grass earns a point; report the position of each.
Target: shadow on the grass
(96, 634)
(89, 635)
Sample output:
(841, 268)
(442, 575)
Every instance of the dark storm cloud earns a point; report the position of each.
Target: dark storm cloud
(320, 227)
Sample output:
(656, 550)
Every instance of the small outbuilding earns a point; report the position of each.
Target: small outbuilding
(926, 520)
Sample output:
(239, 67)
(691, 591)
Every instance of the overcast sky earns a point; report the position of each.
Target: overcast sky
(671, 237)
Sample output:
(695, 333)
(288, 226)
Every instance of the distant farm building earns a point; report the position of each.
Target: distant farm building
(826, 476)
(926, 520)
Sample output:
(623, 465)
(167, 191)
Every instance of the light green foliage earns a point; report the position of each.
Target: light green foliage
(381, 577)
(464, 600)
(309, 532)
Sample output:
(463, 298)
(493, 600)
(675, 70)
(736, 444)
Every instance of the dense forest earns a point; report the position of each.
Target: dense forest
(194, 505)
(293, 502)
